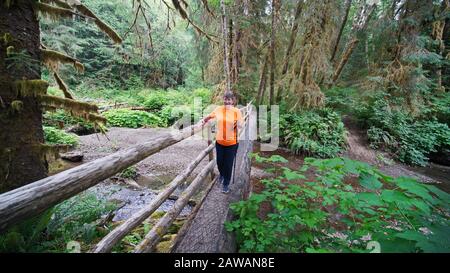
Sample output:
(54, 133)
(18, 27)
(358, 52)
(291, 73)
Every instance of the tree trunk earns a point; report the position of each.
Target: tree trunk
(292, 38)
(262, 81)
(273, 66)
(446, 66)
(438, 30)
(21, 134)
(359, 24)
(225, 46)
(348, 4)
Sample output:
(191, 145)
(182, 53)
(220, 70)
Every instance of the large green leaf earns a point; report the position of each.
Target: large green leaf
(370, 182)
(410, 185)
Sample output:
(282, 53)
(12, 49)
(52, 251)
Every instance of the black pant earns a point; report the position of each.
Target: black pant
(225, 158)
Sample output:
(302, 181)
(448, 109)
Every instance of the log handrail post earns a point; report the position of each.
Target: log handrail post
(211, 153)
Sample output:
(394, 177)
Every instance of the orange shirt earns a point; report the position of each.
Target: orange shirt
(227, 120)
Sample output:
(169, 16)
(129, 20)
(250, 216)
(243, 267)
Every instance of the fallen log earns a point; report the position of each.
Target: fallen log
(36, 197)
(107, 243)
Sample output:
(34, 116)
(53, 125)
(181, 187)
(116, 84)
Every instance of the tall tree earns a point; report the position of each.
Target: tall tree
(226, 52)
(347, 6)
(359, 25)
(22, 92)
(312, 58)
(273, 66)
(292, 38)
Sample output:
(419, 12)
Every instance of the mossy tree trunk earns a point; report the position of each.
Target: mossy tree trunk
(21, 133)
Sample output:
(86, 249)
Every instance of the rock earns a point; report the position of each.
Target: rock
(81, 130)
(174, 197)
(72, 156)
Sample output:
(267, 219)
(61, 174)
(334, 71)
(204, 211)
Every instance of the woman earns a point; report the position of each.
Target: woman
(229, 122)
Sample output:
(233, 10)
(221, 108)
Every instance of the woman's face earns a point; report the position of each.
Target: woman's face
(228, 101)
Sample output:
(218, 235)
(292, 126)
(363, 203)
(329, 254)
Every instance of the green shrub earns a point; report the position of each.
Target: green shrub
(71, 220)
(54, 118)
(129, 172)
(203, 93)
(440, 108)
(156, 101)
(328, 214)
(132, 118)
(315, 132)
(341, 99)
(57, 136)
(409, 139)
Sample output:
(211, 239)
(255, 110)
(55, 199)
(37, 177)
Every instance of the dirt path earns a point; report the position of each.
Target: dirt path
(358, 149)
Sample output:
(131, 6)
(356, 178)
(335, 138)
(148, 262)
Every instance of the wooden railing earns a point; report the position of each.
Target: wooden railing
(32, 199)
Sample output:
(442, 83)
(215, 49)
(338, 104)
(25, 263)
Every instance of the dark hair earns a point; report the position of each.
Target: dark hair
(229, 95)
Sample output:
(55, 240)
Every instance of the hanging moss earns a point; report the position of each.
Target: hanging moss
(17, 105)
(52, 59)
(100, 24)
(68, 104)
(58, 3)
(52, 12)
(9, 50)
(30, 88)
(8, 3)
(96, 118)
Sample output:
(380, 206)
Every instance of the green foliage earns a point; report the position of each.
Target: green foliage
(315, 132)
(328, 214)
(166, 62)
(22, 61)
(129, 172)
(57, 136)
(71, 220)
(393, 129)
(60, 116)
(341, 99)
(439, 108)
(132, 118)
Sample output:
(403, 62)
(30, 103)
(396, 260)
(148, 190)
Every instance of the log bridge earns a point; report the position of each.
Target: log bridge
(202, 232)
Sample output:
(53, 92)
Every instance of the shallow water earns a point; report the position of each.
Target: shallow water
(437, 172)
(131, 200)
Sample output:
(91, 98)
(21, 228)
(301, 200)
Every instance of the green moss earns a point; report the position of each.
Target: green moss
(17, 105)
(52, 58)
(175, 227)
(158, 214)
(9, 50)
(7, 38)
(30, 88)
(81, 108)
